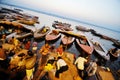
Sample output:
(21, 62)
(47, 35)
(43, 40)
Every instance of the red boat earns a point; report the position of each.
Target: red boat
(85, 44)
(67, 39)
(53, 35)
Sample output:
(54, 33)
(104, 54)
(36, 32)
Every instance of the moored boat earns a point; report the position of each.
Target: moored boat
(99, 48)
(104, 73)
(40, 33)
(85, 44)
(22, 35)
(67, 39)
(81, 28)
(53, 35)
(62, 26)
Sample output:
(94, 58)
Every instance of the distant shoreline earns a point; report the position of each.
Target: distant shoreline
(54, 15)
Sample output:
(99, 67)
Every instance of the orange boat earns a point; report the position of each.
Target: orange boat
(66, 39)
(53, 35)
(85, 44)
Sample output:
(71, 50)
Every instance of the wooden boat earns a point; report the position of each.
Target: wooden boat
(81, 28)
(27, 22)
(85, 44)
(66, 39)
(22, 35)
(104, 73)
(99, 48)
(62, 26)
(53, 35)
(41, 32)
(71, 33)
(60, 23)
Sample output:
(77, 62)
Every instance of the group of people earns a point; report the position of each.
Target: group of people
(83, 65)
(86, 68)
(45, 49)
(9, 57)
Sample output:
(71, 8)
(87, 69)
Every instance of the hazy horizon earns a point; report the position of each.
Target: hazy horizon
(104, 13)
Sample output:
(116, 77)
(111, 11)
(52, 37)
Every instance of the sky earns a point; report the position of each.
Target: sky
(100, 12)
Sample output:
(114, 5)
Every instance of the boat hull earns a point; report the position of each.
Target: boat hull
(52, 36)
(67, 40)
(101, 50)
(39, 34)
(86, 48)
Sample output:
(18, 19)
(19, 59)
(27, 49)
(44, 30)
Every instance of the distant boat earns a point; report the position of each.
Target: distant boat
(67, 39)
(53, 35)
(62, 26)
(99, 48)
(40, 33)
(85, 44)
(81, 28)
